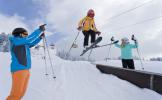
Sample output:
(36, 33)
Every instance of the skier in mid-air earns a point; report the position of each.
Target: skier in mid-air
(88, 27)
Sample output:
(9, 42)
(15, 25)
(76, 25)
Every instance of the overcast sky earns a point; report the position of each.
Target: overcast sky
(62, 17)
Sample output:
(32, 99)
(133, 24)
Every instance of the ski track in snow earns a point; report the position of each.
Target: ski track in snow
(77, 80)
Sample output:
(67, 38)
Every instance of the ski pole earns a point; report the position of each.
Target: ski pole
(45, 57)
(140, 59)
(133, 38)
(109, 53)
(112, 39)
(45, 41)
(74, 42)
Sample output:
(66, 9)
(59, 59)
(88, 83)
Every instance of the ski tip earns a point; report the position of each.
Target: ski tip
(82, 54)
(116, 41)
(100, 38)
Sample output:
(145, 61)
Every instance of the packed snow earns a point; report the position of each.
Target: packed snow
(75, 80)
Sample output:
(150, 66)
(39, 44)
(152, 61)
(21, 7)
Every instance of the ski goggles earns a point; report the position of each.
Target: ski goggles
(25, 33)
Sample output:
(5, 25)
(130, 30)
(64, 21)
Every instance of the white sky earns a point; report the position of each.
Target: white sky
(63, 16)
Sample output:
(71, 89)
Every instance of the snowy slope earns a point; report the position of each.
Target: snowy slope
(78, 80)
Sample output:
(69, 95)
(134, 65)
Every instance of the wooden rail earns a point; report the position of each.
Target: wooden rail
(142, 79)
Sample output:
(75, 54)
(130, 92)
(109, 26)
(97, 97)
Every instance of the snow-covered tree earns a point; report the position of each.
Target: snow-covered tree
(4, 42)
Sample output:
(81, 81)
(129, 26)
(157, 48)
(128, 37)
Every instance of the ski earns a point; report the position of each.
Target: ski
(92, 46)
(106, 44)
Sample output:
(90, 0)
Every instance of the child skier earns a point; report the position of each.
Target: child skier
(20, 44)
(126, 52)
(88, 27)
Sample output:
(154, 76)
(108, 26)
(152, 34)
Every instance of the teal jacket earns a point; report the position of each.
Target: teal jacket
(20, 50)
(126, 51)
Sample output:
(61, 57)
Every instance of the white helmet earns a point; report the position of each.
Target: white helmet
(125, 40)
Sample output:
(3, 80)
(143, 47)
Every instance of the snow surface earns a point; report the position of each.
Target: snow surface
(76, 80)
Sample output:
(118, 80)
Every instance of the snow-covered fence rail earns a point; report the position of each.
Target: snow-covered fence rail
(142, 79)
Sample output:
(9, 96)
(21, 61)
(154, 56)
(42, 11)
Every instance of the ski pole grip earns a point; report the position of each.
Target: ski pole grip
(133, 37)
(44, 24)
(42, 27)
(112, 38)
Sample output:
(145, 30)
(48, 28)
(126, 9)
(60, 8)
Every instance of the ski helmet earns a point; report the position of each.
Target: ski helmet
(125, 40)
(90, 13)
(18, 31)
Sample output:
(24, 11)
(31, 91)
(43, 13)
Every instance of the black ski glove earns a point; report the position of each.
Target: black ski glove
(79, 28)
(112, 39)
(42, 35)
(134, 39)
(42, 27)
(98, 32)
